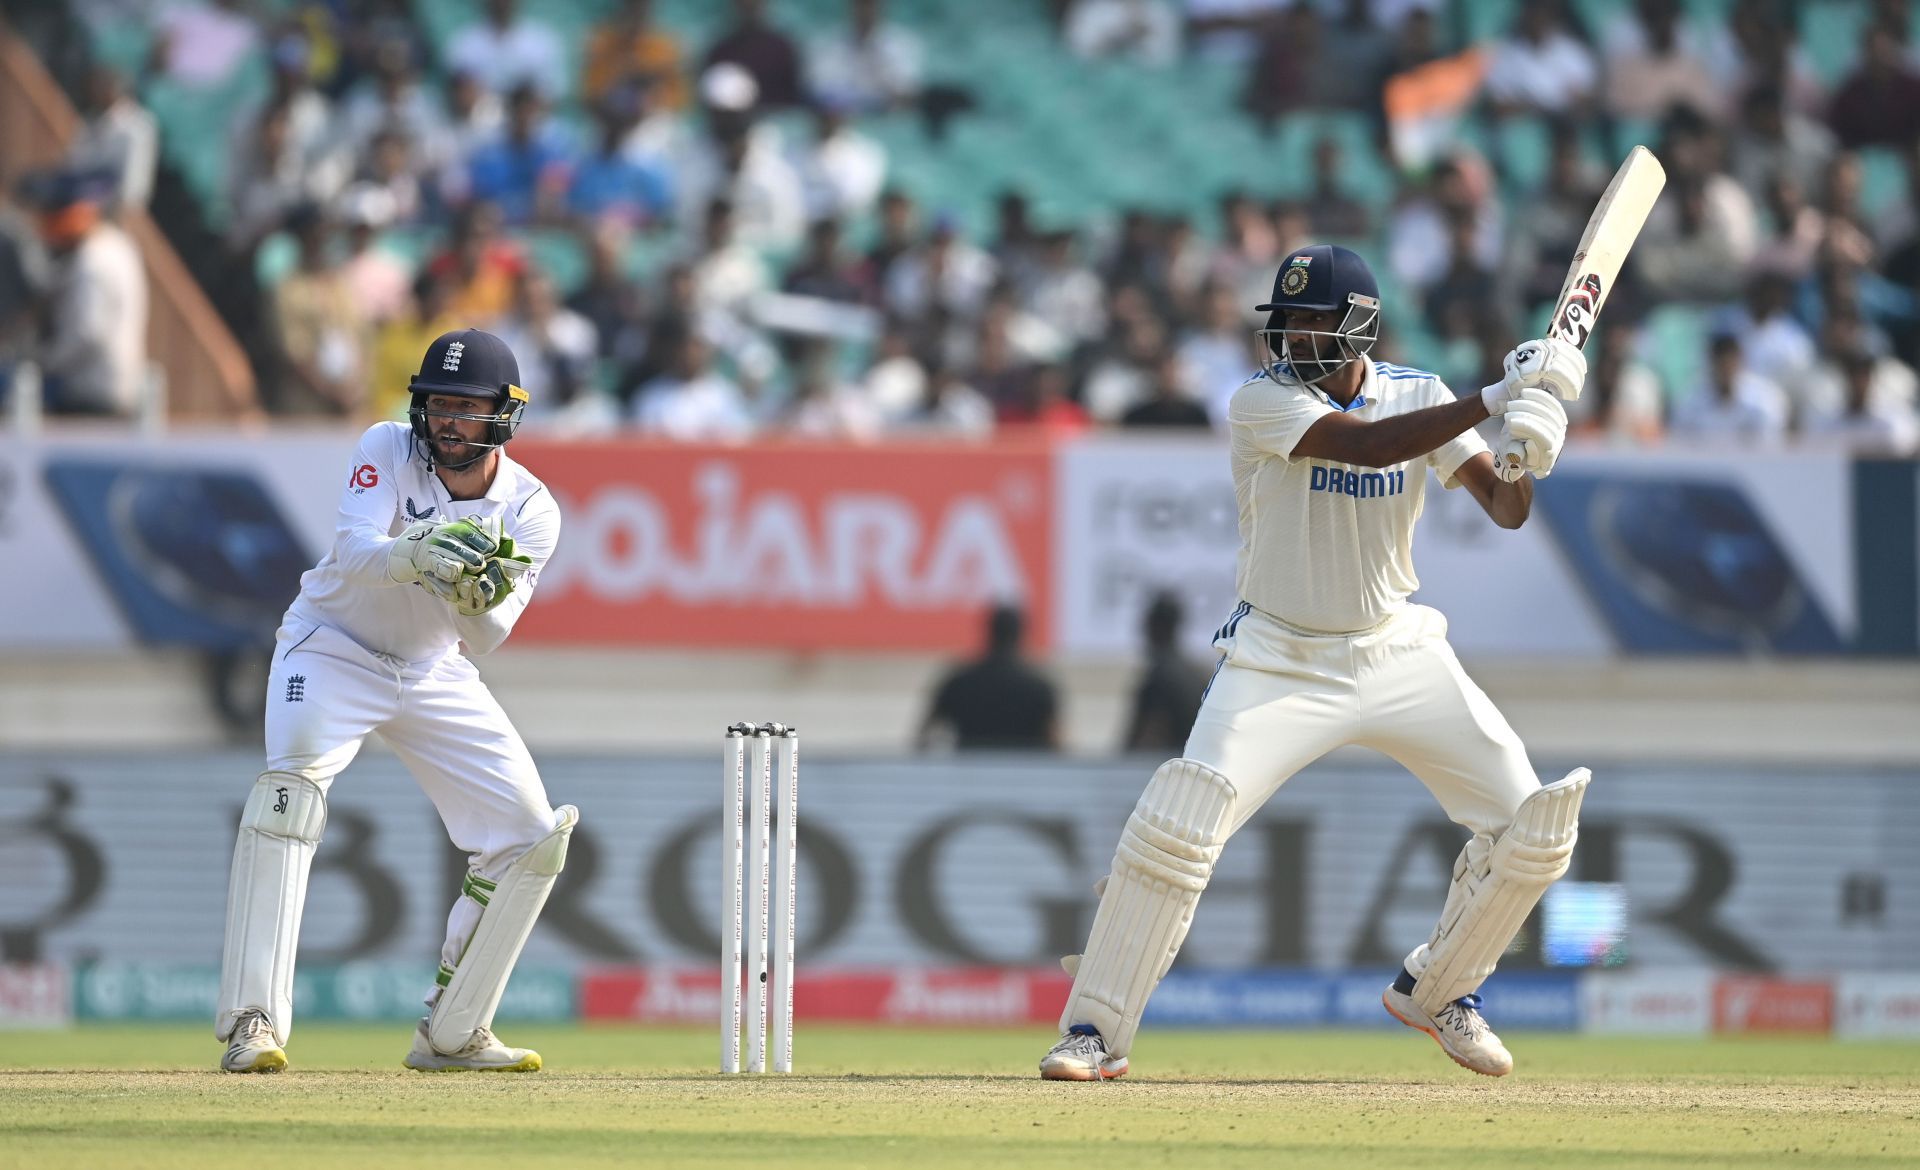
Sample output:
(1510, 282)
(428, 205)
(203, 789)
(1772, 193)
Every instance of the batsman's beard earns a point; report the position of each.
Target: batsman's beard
(1313, 363)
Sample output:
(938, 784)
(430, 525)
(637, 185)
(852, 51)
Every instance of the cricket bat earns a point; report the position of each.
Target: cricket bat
(1611, 230)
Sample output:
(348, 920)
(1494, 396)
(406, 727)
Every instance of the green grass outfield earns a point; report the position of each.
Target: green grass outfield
(113, 1096)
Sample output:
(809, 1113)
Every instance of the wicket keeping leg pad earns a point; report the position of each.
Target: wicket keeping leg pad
(1494, 889)
(1164, 861)
(280, 827)
(509, 908)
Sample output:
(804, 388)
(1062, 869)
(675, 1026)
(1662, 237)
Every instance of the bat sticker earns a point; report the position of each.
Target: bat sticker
(1578, 314)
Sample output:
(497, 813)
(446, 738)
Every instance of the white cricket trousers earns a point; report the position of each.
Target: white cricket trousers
(326, 693)
(1282, 699)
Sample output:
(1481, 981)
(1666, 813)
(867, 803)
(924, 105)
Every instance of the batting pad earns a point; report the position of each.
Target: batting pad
(281, 825)
(508, 910)
(1164, 861)
(1495, 888)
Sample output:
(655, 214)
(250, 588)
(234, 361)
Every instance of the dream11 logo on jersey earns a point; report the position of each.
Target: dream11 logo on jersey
(800, 547)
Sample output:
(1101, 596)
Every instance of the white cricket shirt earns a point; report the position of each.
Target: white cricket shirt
(389, 486)
(1328, 547)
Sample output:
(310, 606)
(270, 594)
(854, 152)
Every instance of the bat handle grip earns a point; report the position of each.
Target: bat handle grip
(1511, 459)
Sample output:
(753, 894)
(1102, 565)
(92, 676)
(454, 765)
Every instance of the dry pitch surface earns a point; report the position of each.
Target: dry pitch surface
(146, 1096)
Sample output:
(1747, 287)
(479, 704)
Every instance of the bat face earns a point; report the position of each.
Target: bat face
(1611, 230)
(1574, 323)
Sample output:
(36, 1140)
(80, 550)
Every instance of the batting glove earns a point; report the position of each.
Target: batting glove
(1551, 364)
(1534, 430)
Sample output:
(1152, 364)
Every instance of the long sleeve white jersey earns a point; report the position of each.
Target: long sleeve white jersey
(1328, 547)
(389, 486)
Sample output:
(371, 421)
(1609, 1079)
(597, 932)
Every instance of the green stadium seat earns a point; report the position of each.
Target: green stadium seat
(1883, 179)
(1593, 15)
(1830, 37)
(276, 256)
(440, 19)
(1485, 20)
(558, 253)
(412, 244)
(648, 256)
(123, 44)
(1524, 152)
(1674, 344)
(1084, 140)
(189, 120)
(1629, 133)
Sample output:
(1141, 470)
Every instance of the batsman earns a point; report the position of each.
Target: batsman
(439, 543)
(1330, 452)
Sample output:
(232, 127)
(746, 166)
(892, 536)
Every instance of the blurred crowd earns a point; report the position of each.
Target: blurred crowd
(703, 240)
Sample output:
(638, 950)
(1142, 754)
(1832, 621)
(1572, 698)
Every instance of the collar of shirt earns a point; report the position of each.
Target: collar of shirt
(506, 481)
(503, 490)
(1363, 398)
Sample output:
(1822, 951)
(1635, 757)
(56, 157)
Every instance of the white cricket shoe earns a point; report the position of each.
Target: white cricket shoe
(483, 1053)
(1081, 1055)
(1458, 1027)
(252, 1048)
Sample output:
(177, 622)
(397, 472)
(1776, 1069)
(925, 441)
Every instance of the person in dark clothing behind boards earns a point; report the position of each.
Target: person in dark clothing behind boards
(1167, 698)
(998, 701)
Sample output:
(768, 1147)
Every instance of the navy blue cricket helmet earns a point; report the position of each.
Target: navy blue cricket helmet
(472, 363)
(1325, 278)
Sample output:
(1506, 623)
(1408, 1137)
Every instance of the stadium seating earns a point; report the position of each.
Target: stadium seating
(1084, 141)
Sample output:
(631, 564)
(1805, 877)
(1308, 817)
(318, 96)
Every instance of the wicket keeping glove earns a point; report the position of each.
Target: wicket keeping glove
(477, 593)
(441, 552)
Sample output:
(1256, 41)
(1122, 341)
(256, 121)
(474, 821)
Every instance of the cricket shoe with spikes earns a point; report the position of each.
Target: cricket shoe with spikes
(1081, 1055)
(483, 1053)
(252, 1048)
(1458, 1027)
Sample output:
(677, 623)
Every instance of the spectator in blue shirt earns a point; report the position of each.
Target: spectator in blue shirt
(612, 184)
(527, 168)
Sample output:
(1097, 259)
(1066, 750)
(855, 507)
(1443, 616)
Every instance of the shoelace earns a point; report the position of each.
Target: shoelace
(1463, 1016)
(252, 1026)
(1083, 1045)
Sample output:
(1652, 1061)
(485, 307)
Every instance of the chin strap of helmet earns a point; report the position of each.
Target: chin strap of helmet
(501, 425)
(1355, 338)
(433, 461)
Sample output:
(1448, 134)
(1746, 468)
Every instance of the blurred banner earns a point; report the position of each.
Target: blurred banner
(180, 540)
(804, 547)
(1660, 1002)
(1704, 552)
(1008, 996)
(978, 862)
(139, 990)
(198, 539)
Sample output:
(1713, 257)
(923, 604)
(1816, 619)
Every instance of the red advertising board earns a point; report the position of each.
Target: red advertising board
(791, 546)
(979, 996)
(1757, 1003)
(34, 996)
